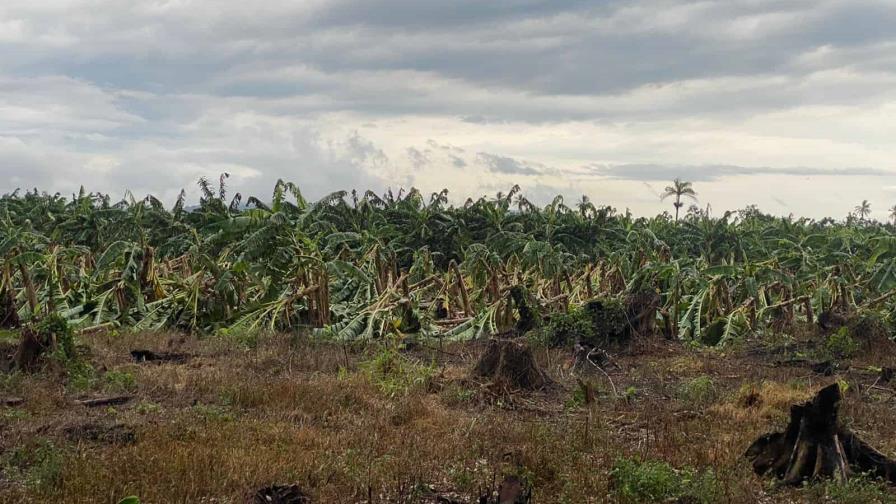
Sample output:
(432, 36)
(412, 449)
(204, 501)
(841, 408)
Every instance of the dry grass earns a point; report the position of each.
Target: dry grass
(366, 424)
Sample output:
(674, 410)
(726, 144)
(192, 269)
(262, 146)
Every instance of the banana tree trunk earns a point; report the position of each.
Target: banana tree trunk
(30, 292)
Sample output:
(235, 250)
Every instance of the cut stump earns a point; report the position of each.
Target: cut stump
(30, 349)
(816, 446)
(511, 364)
(150, 356)
(280, 494)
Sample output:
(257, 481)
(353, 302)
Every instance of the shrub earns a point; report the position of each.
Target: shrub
(609, 319)
(120, 381)
(656, 481)
(700, 390)
(870, 327)
(568, 328)
(597, 323)
(395, 374)
(39, 465)
(54, 328)
(841, 344)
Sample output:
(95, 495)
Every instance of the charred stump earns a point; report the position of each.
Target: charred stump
(815, 445)
(525, 306)
(510, 364)
(141, 356)
(280, 494)
(9, 316)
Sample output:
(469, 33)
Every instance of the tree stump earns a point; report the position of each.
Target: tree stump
(280, 494)
(30, 349)
(815, 445)
(9, 317)
(511, 364)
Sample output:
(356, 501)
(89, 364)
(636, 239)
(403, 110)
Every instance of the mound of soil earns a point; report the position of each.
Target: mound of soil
(815, 445)
(510, 364)
(280, 494)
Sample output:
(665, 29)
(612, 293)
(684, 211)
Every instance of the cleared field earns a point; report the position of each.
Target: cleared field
(379, 423)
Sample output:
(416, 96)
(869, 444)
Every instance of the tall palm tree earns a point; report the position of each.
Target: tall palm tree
(678, 189)
(863, 210)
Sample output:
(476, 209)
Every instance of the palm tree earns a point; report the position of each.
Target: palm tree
(678, 189)
(893, 213)
(863, 210)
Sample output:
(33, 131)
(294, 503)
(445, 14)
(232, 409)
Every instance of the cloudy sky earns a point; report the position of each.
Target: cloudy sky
(787, 104)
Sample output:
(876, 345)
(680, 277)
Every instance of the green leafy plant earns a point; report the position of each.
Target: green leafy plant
(635, 481)
(700, 390)
(395, 374)
(841, 344)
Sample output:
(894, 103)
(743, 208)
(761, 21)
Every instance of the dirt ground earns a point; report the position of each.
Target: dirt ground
(382, 423)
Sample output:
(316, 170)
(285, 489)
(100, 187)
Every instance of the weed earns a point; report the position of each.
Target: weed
(37, 465)
(856, 490)
(214, 413)
(395, 374)
(12, 414)
(700, 390)
(455, 394)
(119, 381)
(81, 375)
(656, 481)
(147, 408)
(841, 344)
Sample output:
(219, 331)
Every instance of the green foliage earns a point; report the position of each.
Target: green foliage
(132, 499)
(38, 464)
(55, 328)
(841, 344)
(455, 394)
(856, 490)
(350, 265)
(120, 381)
(81, 375)
(636, 481)
(214, 413)
(567, 328)
(700, 390)
(609, 320)
(395, 374)
(597, 323)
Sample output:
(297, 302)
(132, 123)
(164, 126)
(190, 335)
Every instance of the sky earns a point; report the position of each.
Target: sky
(787, 104)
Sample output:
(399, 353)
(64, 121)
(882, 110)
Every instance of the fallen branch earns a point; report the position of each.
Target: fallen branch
(12, 401)
(105, 401)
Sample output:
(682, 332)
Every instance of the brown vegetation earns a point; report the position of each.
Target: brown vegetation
(347, 425)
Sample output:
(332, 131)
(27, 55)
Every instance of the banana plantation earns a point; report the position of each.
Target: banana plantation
(357, 266)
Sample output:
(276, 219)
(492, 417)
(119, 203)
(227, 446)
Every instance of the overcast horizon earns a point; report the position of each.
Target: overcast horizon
(789, 105)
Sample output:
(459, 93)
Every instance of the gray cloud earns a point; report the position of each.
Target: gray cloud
(706, 173)
(337, 93)
(503, 164)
